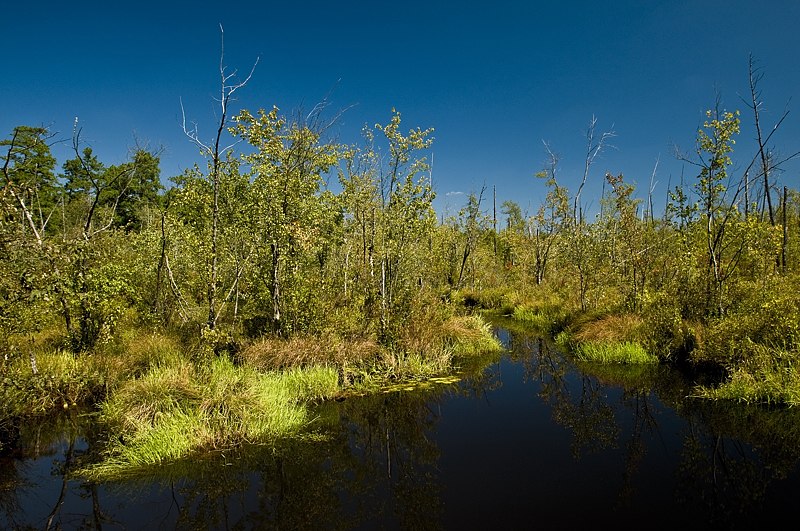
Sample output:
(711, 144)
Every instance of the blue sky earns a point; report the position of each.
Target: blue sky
(494, 79)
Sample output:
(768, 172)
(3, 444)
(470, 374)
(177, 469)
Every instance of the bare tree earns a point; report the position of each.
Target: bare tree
(653, 183)
(754, 76)
(119, 182)
(215, 151)
(769, 162)
(594, 146)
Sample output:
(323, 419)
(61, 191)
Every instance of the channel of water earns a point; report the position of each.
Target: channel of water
(530, 441)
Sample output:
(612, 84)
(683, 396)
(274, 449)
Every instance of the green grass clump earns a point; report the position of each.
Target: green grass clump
(768, 376)
(604, 352)
(470, 335)
(545, 318)
(313, 383)
(175, 411)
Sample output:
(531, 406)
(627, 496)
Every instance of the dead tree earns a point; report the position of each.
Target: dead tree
(214, 150)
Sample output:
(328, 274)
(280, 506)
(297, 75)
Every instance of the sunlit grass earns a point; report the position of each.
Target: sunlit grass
(767, 376)
(470, 335)
(174, 411)
(612, 352)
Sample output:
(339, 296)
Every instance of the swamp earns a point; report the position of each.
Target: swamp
(290, 336)
(526, 438)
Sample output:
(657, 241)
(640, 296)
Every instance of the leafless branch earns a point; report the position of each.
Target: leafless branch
(593, 149)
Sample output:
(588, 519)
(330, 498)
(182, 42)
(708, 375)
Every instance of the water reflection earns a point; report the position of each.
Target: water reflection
(531, 436)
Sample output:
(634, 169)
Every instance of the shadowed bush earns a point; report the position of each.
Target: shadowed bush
(63, 380)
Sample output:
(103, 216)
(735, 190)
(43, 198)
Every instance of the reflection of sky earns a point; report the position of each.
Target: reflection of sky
(494, 80)
(521, 444)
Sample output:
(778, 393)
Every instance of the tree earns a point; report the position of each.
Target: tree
(216, 153)
(286, 171)
(388, 214)
(28, 177)
(28, 199)
(512, 236)
(553, 216)
(407, 214)
(594, 146)
(715, 142)
(472, 224)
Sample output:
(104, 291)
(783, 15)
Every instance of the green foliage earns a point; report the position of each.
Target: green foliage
(254, 258)
(766, 315)
(63, 380)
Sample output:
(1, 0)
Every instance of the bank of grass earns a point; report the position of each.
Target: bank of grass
(764, 376)
(606, 338)
(184, 404)
(173, 411)
(625, 352)
(546, 313)
(428, 347)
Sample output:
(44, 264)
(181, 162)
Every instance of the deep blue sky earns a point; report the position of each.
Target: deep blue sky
(493, 78)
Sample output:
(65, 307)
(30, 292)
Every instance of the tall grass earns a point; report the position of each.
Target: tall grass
(767, 376)
(174, 411)
(626, 352)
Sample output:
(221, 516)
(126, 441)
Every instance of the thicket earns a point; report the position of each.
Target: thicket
(255, 265)
(709, 285)
(116, 291)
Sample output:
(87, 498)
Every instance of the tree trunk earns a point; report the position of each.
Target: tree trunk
(276, 289)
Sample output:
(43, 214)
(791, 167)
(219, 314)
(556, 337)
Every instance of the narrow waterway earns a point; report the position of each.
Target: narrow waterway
(530, 441)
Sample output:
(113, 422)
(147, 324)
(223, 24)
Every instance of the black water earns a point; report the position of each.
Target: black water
(528, 442)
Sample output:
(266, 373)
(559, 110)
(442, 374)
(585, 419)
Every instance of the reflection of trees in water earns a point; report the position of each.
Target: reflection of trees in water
(585, 413)
(390, 435)
(11, 485)
(733, 457)
(719, 477)
(55, 437)
(375, 465)
(731, 453)
(644, 423)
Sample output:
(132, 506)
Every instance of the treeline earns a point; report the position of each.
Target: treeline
(257, 244)
(709, 283)
(253, 244)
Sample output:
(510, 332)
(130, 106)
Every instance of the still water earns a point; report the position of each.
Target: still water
(529, 441)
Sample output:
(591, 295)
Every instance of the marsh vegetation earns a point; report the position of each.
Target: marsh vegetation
(291, 271)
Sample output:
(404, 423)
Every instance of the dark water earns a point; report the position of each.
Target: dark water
(528, 442)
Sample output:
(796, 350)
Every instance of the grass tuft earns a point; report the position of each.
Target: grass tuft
(609, 352)
(175, 411)
(768, 376)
